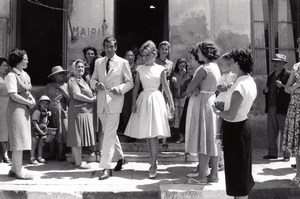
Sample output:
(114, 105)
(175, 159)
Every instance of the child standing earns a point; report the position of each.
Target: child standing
(40, 121)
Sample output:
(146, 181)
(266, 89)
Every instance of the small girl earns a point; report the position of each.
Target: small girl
(40, 120)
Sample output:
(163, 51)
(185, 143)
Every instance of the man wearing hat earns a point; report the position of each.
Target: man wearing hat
(277, 101)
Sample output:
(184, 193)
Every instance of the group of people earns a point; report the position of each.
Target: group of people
(209, 97)
(282, 94)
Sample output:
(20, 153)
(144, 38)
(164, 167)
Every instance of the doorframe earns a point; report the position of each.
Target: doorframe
(14, 36)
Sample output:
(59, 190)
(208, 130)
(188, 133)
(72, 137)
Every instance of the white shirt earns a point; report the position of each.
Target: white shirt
(246, 86)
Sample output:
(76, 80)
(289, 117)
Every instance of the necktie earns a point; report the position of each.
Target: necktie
(107, 65)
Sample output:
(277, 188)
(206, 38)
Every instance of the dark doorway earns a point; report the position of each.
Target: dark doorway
(40, 33)
(137, 21)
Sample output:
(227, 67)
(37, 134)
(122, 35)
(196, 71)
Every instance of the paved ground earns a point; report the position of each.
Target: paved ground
(60, 180)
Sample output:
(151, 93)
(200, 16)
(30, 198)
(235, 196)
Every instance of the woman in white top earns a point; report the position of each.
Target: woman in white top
(236, 130)
(149, 115)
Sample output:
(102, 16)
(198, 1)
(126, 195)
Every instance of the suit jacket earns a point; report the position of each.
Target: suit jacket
(119, 75)
(282, 98)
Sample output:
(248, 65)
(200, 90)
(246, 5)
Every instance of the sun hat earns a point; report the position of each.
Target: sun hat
(57, 69)
(279, 57)
(44, 98)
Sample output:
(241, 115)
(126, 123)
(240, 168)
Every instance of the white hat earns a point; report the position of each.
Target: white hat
(279, 57)
(44, 98)
(57, 69)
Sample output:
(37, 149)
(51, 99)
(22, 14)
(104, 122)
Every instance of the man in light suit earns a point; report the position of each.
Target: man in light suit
(112, 79)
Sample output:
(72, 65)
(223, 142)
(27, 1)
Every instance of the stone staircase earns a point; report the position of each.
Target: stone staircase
(138, 152)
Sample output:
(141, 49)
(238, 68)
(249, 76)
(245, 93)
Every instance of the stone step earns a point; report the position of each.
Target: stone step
(143, 157)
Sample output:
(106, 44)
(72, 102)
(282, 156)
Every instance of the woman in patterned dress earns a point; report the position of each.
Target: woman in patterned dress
(291, 135)
(80, 114)
(18, 112)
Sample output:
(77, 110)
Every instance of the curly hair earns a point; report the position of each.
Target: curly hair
(85, 49)
(16, 57)
(193, 52)
(2, 59)
(209, 50)
(243, 58)
(179, 61)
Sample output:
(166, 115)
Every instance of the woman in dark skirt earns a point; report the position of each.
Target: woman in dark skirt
(236, 130)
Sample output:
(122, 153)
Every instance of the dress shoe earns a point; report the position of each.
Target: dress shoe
(294, 166)
(119, 165)
(153, 173)
(6, 160)
(106, 173)
(268, 157)
(11, 174)
(286, 159)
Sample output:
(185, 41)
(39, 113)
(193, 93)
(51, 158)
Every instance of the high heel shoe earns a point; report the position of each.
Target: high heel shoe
(181, 139)
(153, 173)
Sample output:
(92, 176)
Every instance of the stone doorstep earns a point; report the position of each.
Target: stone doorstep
(142, 157)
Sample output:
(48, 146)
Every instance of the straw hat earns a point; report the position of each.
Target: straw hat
(44, 98)
(280, 57)
(57, 69)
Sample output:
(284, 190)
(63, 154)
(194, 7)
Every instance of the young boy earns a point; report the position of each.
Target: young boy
(40, 120)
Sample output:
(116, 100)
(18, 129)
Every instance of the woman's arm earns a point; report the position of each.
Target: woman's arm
(18, 98)
(201, 74)
(84, 98)
(236, 101)
(166, 89)
(288, 87)
(137, 83)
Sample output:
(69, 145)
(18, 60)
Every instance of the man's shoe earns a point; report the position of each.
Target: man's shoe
(268, 157)
(286, 159)
(294, 166)
(6, 160)
(106, 173)
(119, 165)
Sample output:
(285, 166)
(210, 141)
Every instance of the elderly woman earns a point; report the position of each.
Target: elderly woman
(18, 112)
(80, 114)
(4, 97)
(201, 122)
(236, 130)
(57, 91)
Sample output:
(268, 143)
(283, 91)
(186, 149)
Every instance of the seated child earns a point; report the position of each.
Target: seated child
(40, 120)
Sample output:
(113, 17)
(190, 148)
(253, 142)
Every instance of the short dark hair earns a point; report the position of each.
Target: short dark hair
(179, 61)
(2, 59)
(15, 57)
(243, 58)
(193, 52)
(209, 50)
(84, 50)
(109, 39)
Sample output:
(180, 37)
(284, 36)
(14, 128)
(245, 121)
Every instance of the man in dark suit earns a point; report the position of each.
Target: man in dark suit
(277, 101)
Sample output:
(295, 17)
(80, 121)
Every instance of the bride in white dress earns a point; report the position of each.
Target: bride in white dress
(149, 118)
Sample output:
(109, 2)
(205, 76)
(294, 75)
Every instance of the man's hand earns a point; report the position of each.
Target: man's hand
(278, 83)
(115, 90)
(100, 86)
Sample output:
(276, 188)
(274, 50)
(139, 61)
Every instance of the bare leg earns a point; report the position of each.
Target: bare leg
(34, 142)
(203, 166)
(298, 166)
(17, 161)
(241, 197)
(214, 168)
(40, 147)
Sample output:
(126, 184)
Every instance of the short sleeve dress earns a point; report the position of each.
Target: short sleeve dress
(18, 115)
(150, 119)
(80, 115)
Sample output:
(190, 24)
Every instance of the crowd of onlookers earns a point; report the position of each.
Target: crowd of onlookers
(202, 101)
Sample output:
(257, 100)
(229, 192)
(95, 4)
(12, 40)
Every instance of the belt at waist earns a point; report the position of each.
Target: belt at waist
(210, 92)
(151, 89)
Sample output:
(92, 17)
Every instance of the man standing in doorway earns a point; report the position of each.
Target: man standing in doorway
(112, 79)
(277, 102)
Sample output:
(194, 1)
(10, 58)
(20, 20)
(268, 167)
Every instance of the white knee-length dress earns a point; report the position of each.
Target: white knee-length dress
(150, 119)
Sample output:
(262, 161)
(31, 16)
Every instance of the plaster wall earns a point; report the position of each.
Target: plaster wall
(86, 19)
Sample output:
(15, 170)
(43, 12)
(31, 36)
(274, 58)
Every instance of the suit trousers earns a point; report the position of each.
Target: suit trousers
(111, 147)
(275, 125)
